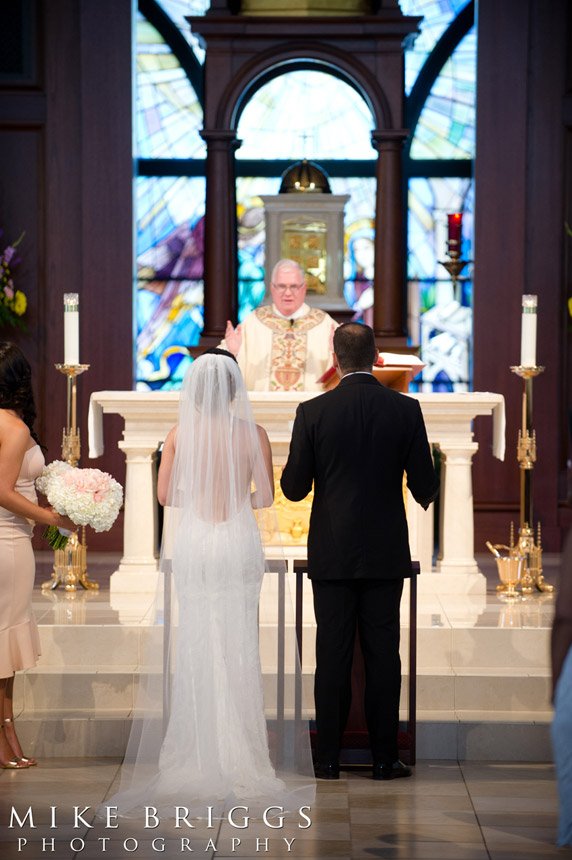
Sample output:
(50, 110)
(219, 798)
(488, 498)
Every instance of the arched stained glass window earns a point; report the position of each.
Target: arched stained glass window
(304, 114)
(437, 17)
(446, 127)
(177, 10)
(170, 189)
(168, 115)
(295, 115)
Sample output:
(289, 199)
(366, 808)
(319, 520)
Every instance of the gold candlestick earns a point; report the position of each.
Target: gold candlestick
(526, 545)
(70, 563)
(71, 446)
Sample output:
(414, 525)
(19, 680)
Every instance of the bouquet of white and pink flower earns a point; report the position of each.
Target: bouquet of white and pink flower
(89, 497)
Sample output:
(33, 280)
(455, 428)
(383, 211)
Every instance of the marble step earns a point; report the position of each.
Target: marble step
(69, 688)
(443, 647)
(449, 735)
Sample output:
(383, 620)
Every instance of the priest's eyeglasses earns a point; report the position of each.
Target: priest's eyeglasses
(281, 288)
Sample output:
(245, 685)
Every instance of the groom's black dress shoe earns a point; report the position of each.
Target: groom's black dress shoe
(327, 771)
(390, 771)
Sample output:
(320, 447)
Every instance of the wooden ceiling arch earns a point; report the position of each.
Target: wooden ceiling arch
(302, 55)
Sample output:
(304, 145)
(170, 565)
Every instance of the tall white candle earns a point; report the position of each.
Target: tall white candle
(71, 328)
(528, 332)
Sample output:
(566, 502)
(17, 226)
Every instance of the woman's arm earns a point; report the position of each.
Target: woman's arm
(14, 442)
(264, 494)
(166, 467)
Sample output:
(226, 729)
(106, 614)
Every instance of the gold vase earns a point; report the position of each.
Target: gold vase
(510, 572)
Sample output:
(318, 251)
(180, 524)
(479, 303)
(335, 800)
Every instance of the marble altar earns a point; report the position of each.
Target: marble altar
(148, 416)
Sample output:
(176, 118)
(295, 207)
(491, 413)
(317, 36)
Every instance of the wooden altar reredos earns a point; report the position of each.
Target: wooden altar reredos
(243, 53)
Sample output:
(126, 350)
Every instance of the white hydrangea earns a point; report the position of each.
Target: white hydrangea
(49, 473)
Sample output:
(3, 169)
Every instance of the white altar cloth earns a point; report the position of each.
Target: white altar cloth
(148, 417)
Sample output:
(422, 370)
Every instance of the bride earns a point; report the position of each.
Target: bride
(199, 736)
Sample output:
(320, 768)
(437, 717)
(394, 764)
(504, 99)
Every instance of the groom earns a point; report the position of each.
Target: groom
(355, 443)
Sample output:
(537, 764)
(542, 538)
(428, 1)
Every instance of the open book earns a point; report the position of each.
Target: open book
(390, 360)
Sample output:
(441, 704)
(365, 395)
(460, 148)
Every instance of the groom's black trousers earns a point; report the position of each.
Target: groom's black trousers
(371, 606)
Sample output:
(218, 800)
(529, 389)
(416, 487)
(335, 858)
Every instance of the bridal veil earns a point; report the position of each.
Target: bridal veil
(211, 726)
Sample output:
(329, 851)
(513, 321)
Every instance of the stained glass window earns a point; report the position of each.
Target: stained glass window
(169, 297)
(440, 317)
(437, 16)
(446, 127)
(305, 115)
(251, 239)
(359, 217)
(177, 10)
(302, 113)
(168, 116)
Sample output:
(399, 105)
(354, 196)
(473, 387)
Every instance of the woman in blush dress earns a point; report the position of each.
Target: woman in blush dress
(21, 462)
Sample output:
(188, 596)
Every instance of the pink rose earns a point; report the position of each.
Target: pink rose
(82, 480)
(9, 292)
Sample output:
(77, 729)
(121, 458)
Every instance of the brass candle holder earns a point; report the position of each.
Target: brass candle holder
(528, 545)
(70, 563)
(454, 265)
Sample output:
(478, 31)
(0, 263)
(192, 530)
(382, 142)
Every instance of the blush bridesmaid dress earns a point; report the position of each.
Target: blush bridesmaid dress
(19, 638)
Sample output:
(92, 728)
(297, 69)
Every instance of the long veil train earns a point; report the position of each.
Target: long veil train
(210, 729)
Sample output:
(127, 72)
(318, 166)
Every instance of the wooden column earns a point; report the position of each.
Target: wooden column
(220, 290)
(523, 73)
(389, 277)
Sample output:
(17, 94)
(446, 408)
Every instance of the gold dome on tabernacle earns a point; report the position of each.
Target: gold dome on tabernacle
(305, 176)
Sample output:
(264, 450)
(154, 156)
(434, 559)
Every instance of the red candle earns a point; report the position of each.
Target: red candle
(455, 224)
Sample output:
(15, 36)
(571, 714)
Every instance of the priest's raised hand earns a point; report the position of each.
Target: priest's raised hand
(233, 337)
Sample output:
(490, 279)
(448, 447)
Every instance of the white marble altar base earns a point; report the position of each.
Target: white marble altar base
(148, 416)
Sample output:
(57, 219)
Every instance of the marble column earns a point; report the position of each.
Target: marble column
(138, 568)
(457, 531)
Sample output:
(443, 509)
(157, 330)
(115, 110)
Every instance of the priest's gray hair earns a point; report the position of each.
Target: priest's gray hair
(287, 264)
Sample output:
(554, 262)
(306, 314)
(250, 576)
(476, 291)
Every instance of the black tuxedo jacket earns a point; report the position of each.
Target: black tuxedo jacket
(355, 442)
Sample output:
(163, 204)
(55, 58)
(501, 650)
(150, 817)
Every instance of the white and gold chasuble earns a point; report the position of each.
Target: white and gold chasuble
(285, 354)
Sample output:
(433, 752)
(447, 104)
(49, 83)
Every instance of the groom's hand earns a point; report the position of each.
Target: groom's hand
(233, 337)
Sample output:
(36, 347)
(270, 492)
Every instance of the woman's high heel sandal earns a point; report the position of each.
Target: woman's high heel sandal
(25, 761)
(15, 763)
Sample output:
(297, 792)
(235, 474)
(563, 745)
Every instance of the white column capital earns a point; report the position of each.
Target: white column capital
(458, 452)
(138, 452)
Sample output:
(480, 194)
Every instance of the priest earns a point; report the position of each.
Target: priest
(287, 345)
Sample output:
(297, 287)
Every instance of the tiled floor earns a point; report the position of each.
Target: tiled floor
(446, 811)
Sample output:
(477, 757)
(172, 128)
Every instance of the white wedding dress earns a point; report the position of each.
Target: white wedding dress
(200, 736)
